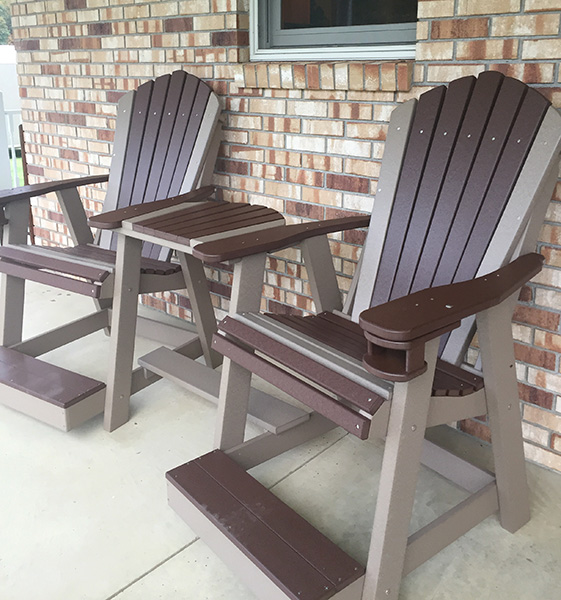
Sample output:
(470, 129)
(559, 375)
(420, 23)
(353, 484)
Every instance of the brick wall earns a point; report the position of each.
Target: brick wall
(306, 139)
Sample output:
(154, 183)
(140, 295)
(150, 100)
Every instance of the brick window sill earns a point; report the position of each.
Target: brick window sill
(386, 76)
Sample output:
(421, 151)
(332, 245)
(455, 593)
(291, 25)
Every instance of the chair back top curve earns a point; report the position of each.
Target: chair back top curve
(465, 170)
(164, 132)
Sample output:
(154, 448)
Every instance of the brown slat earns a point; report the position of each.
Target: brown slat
(506, 107)
(208, 220)
(328, 379)
(115, 218)
(189, 214)
(466, 377)
(322, 554)
(242, 218)
(345, 417)
(449, 123)
(322, 333)
(275, 239)
(40, 379)
(162, 152)
(465, 150)
(294, 575)
(38, 260)
(521, 137)
(151, 132)
(193, 127)
(91, 252)
(135, 142)
(178, 134)
(416, 154)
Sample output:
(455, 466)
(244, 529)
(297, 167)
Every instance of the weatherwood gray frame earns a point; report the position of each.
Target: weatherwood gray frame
(16, 204)
(403, 420)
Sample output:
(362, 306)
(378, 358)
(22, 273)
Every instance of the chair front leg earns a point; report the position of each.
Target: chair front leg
(12, 289)
(398, 481)
(494, 329)
(123, 331)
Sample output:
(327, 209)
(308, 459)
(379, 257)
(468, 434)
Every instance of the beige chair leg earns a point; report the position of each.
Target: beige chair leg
(12, 289)
(398, 481)
(203, 311)
(494, 328)
(235, 382)
(123, 330)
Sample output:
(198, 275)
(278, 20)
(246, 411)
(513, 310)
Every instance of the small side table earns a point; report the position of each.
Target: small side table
(181, 228)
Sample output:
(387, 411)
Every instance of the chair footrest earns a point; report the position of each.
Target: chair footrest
(276, 542)
(54, 395)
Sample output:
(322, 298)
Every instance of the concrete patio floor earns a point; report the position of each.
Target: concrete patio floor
(83, 515)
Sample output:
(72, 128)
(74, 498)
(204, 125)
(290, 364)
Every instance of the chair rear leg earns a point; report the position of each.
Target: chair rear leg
(494, 328)
(12, 289)
(398, 481)
(233, 399)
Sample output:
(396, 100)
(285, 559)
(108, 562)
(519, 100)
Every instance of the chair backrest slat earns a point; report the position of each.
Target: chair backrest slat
(163, 151)
(453, 111)
(190, 139)
(422, 131)
(135, 142)
(490, 172)
(148, 149)
(512, 160)
(178, 134)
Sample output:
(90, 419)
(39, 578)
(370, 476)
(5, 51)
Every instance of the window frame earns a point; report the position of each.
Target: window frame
(260, 32)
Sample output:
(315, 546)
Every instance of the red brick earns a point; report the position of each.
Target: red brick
(535, 396)
(178, 24)
(526, 294)
(460, 28)
(230, 38)
(536, 316)
(534, 356)
(50, 69)
(100, 29)
(302, 209)
(232, 166)
(75, 4)
(359, 185)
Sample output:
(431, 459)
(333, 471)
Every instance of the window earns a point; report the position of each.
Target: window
(332, 29)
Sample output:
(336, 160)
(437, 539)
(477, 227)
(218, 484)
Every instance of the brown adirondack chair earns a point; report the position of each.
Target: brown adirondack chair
(467, 175)
(166, 141)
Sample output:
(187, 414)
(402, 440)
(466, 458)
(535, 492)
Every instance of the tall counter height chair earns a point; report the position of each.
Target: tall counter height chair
(467, 174)
(166, 142)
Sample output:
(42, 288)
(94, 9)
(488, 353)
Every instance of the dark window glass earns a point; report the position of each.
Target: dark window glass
(340, 13)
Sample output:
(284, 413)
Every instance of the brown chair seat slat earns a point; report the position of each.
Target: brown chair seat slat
(45, 381)
(291, 552)
(339, 385)
(95, 254)
(331, 329)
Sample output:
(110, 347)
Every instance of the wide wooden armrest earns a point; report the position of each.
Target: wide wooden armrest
(398, 330)
(38, 189)
(272, 239)
(114, 218)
